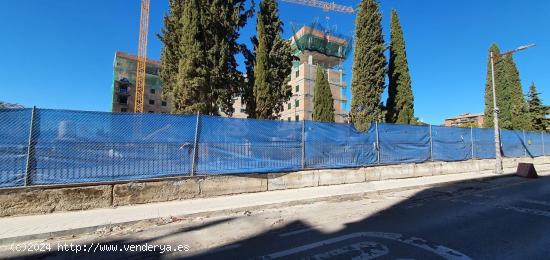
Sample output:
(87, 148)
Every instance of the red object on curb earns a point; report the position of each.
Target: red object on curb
(526, 170)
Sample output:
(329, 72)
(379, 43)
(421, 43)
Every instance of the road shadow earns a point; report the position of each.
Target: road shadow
(496, 218)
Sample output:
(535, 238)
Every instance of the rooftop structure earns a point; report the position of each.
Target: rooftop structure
(313, 45)
(465, 120)
(124, 80)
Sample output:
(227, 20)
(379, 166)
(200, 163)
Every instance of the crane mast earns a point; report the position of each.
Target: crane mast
(142, 56)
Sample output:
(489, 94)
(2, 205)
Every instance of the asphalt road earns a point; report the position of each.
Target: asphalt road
(506, 218)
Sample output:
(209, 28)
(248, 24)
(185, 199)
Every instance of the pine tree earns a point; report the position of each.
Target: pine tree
(537, 111)
(323, 104)
(400, 103)
(369, 66)
(273, 63)
(200, 43)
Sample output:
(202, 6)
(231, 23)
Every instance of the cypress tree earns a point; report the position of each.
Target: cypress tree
(519, 114)
(537, 110)
(273, 63)
(170, 52)
(323, 104)
(400, 103)
(200, 43)
(369, 66)
(500, 84)
(510, 100)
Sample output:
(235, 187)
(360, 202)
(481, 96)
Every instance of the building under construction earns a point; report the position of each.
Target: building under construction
(313, 45)
(124, 80)
(316, 46)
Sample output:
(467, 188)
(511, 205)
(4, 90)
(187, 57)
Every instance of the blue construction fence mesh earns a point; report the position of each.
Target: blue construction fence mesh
(46, 147)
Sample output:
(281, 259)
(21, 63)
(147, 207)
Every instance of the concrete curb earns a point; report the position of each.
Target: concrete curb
(350, 196)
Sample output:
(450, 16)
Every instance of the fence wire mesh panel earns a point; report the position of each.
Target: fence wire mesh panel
(533, 144)
(228, 145)
(512, 143)
(331, 145)
(43, 146)
(403, 143)
(484, 143)
(75, 147)
(451, 144)
(14, 139)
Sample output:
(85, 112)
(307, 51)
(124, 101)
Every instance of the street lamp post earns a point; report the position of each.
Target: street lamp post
(498, 152)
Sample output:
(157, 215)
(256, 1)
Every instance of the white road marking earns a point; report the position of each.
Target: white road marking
(442, 251)
(545, 203)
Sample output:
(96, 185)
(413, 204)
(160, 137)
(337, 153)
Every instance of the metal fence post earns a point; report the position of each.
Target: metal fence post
(472, 141)
(195, 146)
(303, 144)
(542, 138)
(30, 150)
(377, 143)
(431, 145)
(524, 145)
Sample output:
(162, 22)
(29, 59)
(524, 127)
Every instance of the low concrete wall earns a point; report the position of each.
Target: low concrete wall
(28, 201)
(40, 200)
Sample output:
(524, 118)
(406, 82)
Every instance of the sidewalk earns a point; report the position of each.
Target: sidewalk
(13, 229)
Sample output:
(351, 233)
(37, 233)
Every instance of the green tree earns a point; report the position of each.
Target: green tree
(519, 111)
(510, 100)
(200, 36)
(369, 66)
(400, 103)
(537, 110)
(323, 104)
(170, 53)
(273, 63)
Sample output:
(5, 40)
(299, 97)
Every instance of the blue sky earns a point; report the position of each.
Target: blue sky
(59, 54)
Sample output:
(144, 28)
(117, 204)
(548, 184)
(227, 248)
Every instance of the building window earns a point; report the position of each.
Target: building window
(297, 72)
(297, 118)
(163, 103)
(289, 119)
(123, 109)
(123, 89)
(296, 103)
(289, 105)
(297, 88)
(123, 99)
(151, 102)
(152, 91)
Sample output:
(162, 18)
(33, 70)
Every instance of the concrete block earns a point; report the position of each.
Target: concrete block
(396, 171)
(542, 160)
(341, 176)
(371, 173)
(292, 180)
(36, 200)
(232, 184)
(426, 169)
(485, 164)
(156, 191)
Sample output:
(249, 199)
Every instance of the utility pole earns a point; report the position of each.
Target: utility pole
(498, 152)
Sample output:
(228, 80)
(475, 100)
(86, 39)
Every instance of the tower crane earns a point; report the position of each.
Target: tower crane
(142, 56)
(327, 6)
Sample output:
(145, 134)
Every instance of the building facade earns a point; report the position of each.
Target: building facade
(466, 120)
(124, 79)
(314, 47)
